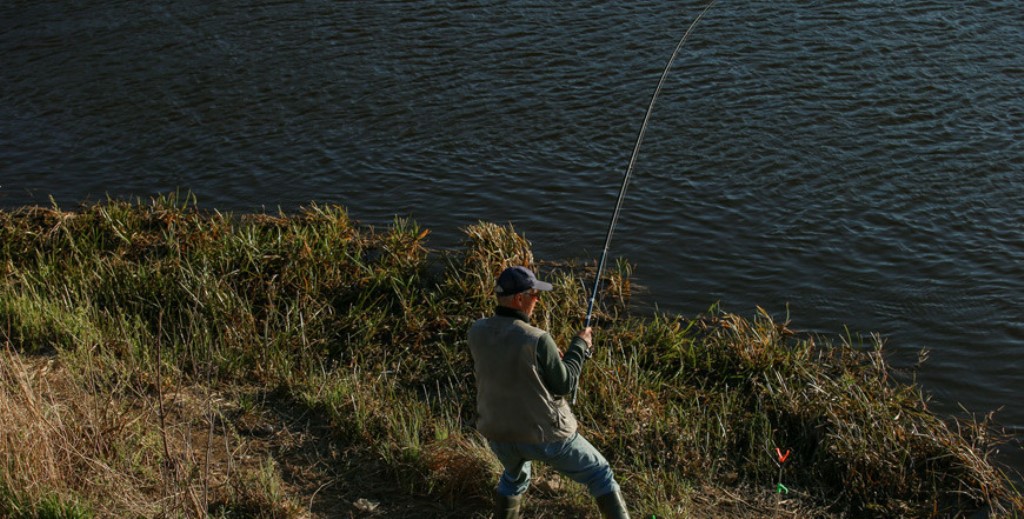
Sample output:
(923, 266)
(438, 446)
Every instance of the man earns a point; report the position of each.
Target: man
(522, 381)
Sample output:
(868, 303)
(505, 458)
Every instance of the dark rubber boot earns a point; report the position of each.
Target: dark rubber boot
(612, 506)
(506, 507)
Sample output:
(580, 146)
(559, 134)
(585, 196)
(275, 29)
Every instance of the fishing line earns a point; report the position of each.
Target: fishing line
(629, 171)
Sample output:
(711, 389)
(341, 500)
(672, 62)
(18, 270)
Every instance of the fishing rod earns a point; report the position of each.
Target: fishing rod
(629, 172)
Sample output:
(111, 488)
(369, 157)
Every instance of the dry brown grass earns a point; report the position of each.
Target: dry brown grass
(72, 449)
(158, 362)
(61, 438)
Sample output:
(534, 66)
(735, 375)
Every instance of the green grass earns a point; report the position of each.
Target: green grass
(364, 328)
(45, 507)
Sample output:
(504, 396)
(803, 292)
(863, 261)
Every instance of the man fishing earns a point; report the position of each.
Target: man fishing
(522, 380)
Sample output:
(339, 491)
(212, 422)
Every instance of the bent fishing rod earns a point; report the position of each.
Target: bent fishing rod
(629, 173)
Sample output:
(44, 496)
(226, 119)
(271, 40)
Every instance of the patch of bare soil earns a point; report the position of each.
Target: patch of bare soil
(319, 477)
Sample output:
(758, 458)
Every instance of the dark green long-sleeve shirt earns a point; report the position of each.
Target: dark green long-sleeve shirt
(559, 373)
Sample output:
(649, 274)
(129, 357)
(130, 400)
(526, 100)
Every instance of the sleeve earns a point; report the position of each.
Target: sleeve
(560, 374)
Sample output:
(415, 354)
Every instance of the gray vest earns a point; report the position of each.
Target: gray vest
(513, 405)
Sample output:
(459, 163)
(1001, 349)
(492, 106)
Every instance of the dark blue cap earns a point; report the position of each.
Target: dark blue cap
(514, 280)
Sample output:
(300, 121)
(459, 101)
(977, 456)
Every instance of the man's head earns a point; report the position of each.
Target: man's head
(519, 288)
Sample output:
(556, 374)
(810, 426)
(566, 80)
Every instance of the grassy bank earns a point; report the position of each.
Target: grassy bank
(159, 361)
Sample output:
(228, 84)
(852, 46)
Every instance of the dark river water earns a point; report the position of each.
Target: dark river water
(856, 164)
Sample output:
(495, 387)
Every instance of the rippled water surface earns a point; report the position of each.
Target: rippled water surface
(855, 163)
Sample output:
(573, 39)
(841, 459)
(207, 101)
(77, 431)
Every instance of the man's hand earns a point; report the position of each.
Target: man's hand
(586, 334)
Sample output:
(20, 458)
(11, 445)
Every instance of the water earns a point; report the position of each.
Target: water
(853, 164)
